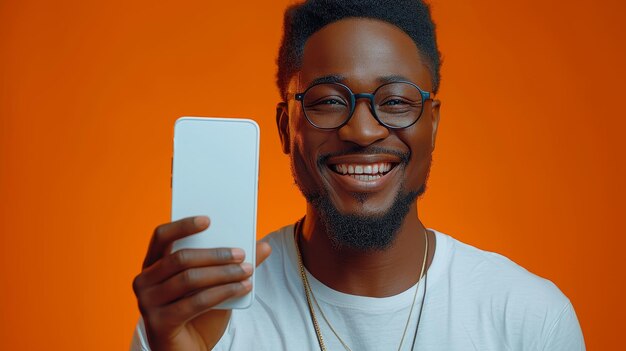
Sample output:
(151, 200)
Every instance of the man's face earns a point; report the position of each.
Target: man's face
(363, 54)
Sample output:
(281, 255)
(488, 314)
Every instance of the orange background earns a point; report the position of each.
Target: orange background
(529, 161)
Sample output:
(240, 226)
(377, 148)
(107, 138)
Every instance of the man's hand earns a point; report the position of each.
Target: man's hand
(176, 291)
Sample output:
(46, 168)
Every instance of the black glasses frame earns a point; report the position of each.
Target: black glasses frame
(353, 97)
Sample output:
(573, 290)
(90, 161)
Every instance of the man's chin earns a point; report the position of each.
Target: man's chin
(363, 230)
(362, 204)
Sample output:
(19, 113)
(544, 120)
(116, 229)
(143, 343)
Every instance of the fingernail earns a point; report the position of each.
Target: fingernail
(201, 221)
(247, 267)
(238, 254)
(247, 284)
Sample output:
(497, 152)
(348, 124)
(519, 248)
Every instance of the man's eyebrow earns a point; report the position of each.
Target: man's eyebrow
(392, 78)
(332, 78)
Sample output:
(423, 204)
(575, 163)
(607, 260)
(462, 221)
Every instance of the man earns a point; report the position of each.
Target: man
(360, 271)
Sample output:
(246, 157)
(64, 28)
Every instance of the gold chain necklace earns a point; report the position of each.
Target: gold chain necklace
(310, 297)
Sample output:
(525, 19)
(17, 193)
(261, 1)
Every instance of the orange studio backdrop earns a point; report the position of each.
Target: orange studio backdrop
(529, 161)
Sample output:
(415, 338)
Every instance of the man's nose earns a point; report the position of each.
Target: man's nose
(362, 128)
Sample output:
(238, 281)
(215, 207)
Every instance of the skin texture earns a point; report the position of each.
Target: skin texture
(362, 52)
(176, 292)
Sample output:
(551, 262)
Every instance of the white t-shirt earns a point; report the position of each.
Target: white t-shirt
(475, 300)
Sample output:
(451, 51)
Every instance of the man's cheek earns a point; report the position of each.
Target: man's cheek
(301, 169)
(420, 171)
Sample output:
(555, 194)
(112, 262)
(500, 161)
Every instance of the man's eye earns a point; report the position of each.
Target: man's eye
(326, 102)
(331, 102)
(394, 102)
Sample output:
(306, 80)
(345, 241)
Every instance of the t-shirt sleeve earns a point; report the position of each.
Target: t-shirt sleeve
(139, 342)
(565, 334)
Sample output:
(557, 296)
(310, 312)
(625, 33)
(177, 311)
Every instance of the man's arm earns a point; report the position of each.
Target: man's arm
(565, 334)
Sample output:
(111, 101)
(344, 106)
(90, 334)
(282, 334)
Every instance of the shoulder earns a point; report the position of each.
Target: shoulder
(279, 237)
(518, 303)
(492, 273)
(281, 241)
(278, 267)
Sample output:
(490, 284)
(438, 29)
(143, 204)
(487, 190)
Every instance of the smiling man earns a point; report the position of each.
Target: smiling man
(360, 271)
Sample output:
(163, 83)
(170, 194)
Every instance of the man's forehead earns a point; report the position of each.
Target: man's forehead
(361, 50)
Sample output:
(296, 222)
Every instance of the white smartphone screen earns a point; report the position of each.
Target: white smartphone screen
(215, 171)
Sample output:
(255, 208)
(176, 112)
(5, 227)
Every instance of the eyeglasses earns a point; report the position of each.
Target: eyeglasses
(395, 105)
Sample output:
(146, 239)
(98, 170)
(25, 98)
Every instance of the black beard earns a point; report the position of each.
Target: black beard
(364, 233)
(359, 232)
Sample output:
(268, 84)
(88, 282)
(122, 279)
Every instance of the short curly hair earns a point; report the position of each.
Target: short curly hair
(304, 19)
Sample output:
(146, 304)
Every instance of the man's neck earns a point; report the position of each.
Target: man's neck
(372, 273)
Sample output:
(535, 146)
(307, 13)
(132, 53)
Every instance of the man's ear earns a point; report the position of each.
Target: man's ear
(436, 105)
(282, 122)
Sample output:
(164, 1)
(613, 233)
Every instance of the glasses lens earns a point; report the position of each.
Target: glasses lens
(398, 105)
(327, 105)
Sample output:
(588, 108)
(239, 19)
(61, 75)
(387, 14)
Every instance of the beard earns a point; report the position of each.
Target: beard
(374, 232)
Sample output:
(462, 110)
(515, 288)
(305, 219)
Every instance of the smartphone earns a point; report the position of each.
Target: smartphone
(215, 171)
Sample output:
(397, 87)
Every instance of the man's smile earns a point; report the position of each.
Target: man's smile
(362, 172)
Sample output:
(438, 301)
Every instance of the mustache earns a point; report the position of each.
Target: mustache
(403, 156)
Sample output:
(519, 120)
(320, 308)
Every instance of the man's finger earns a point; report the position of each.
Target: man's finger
(195, 279)
(181, 260)
(263, 251)
(167, 233)
(189, 307)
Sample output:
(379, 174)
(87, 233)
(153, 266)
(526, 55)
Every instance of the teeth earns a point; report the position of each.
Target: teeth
(366, 177)
(363, 171)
